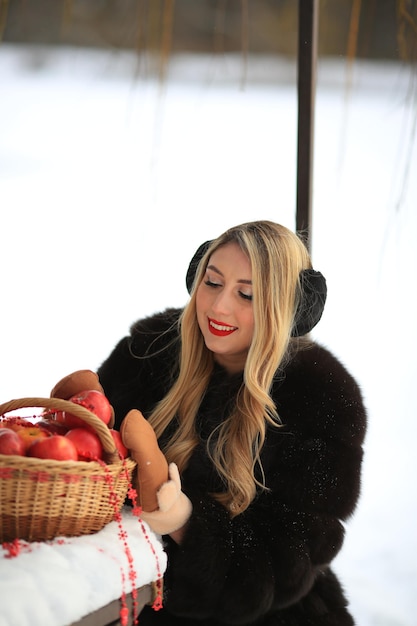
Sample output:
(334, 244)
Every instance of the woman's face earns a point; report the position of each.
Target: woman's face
(224, 306)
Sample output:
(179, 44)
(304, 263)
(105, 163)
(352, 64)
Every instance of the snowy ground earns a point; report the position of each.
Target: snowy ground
(109, 181)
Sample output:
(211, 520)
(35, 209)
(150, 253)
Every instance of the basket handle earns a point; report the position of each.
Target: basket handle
(100, 428)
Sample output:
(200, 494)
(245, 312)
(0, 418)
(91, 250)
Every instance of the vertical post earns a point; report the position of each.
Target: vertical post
(307, 60)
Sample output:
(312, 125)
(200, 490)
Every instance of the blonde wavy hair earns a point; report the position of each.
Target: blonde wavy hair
(277, 257)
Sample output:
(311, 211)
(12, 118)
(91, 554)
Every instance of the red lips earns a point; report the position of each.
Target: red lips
(220, 329)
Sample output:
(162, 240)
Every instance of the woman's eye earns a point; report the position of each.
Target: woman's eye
(209, 283)
(213, 285)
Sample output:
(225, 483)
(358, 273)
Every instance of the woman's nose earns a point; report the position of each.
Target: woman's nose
(222, 302)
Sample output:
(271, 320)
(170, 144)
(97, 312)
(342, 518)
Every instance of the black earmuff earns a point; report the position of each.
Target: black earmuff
(311, 305)
(313, 293)
(192, 268)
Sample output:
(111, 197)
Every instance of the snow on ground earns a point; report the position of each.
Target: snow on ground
(110, 180)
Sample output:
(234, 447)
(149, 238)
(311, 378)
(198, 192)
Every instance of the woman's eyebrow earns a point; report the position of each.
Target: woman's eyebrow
(214, 268)
(244, 281)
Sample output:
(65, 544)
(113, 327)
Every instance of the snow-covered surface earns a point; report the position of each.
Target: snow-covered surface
(56, 583)
(108, 183)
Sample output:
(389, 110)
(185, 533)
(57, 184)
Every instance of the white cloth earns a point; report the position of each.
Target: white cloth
(56, 583)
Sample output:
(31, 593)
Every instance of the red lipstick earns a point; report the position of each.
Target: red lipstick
(220, 329)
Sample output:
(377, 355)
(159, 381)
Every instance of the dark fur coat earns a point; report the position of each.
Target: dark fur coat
(268, 566)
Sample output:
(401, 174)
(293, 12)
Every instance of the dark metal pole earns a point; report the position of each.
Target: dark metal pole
(307, 59)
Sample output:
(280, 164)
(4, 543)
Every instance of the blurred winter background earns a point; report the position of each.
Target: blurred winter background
(117, 161)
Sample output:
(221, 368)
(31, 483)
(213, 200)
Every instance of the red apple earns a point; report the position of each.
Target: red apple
(56, 447)
(91, 399)
(29, 434)
(10, 442)
(87, 443)
(68, 421)
(123, 451)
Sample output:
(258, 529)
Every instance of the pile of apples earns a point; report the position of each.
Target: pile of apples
(59, 435)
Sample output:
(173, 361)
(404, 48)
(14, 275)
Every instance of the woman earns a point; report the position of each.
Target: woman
(265, 426)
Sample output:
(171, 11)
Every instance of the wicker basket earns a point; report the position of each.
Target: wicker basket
(41, 499)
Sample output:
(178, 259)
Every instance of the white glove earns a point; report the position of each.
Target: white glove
(174, 509)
